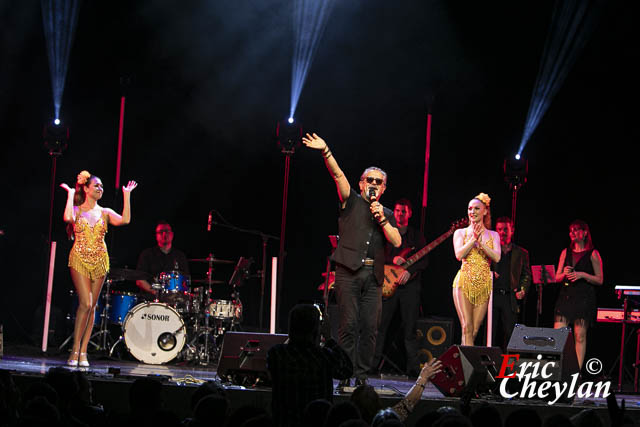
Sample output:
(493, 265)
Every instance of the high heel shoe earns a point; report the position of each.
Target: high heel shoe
(84, 363)
(73, 359)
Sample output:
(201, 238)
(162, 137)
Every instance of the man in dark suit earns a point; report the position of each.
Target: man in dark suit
(512, 277)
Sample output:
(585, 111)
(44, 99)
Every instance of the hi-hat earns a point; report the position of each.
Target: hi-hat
(119, 274)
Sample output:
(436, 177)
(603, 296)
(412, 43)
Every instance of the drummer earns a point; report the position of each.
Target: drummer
(161, 258)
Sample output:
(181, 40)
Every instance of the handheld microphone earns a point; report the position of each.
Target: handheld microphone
(209, 221)
(372, 194)
(372, 198)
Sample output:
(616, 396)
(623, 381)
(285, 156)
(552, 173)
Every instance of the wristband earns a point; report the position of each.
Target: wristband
(383, 222)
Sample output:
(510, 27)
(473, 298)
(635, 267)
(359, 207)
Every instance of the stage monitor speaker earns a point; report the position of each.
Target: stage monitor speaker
(468, 369)
(243, 357)
(434, 336)
(545, 345)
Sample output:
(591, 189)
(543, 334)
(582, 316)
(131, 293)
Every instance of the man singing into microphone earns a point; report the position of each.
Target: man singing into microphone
(364, 227)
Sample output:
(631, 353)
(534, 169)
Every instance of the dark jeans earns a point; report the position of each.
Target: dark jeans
(504, 320)
(407, 298)
(359, 300)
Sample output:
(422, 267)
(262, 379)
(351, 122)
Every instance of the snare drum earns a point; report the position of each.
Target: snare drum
(121, 303)
(224, 309)
(154, 333)
(174, 281)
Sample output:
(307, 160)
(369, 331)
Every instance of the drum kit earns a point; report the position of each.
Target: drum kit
(183, 321)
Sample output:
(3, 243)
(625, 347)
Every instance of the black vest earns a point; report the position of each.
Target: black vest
(359, 230)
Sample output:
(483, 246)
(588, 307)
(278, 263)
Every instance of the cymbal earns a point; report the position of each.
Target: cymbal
(206, 282)
(212, 260)
(119, 274)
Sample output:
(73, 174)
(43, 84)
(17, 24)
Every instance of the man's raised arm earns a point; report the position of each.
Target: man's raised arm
(317, 143)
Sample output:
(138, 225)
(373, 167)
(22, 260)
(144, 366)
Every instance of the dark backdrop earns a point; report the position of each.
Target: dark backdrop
(209, 80)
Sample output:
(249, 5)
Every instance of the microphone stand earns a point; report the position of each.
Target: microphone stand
(541, 285)
(265, 239)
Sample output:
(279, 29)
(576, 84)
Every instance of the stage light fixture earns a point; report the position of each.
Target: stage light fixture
(515, 171)
(289, 135)
(56, 137)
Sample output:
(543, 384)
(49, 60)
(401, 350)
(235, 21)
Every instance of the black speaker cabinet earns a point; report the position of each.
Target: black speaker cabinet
(434, 336)
(545, 345)
(243, 358)
(467, 369)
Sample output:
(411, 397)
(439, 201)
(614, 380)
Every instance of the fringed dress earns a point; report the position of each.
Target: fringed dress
(474, 277)
(89, 255)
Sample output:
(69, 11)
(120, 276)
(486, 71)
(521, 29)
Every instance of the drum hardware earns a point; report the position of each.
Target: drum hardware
(121, 274)
(262, 272)
(211, 260)
(207, 281)
(102, 312)
(203, 345)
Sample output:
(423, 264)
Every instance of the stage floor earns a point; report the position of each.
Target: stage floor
(181, 379)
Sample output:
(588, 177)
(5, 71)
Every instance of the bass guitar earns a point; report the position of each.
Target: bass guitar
(393, 272)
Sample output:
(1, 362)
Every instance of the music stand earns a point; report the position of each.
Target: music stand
(542, 275)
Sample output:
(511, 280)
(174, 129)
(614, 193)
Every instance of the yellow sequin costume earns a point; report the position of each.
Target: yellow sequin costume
(89, 255)
(474, 277)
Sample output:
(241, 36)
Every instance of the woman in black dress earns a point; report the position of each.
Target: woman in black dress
(579, 269)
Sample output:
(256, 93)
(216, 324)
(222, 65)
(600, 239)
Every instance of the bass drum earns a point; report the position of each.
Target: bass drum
(154, 333)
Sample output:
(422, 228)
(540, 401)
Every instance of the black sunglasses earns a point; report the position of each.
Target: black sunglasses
(371, 180)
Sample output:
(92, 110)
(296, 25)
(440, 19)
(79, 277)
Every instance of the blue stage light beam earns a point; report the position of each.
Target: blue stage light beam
(59, 19)
(572, 24)
(310, 19)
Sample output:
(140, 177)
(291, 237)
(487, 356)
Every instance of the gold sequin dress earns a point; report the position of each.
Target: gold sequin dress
(474, 277)
(89, 255)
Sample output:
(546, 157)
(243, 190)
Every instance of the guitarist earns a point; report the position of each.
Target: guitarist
(407, 295)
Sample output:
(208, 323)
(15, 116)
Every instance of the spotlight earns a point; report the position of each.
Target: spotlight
(56, 138)
(515, 171)
(289, 134)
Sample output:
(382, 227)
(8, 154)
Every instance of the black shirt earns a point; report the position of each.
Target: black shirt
(360, 236)
(154, 261)
(503, 268)
(413, 239)
(301, 373)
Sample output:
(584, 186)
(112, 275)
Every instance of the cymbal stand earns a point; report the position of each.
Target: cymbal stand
(265, 237)
(235, 296)
(207, 300)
